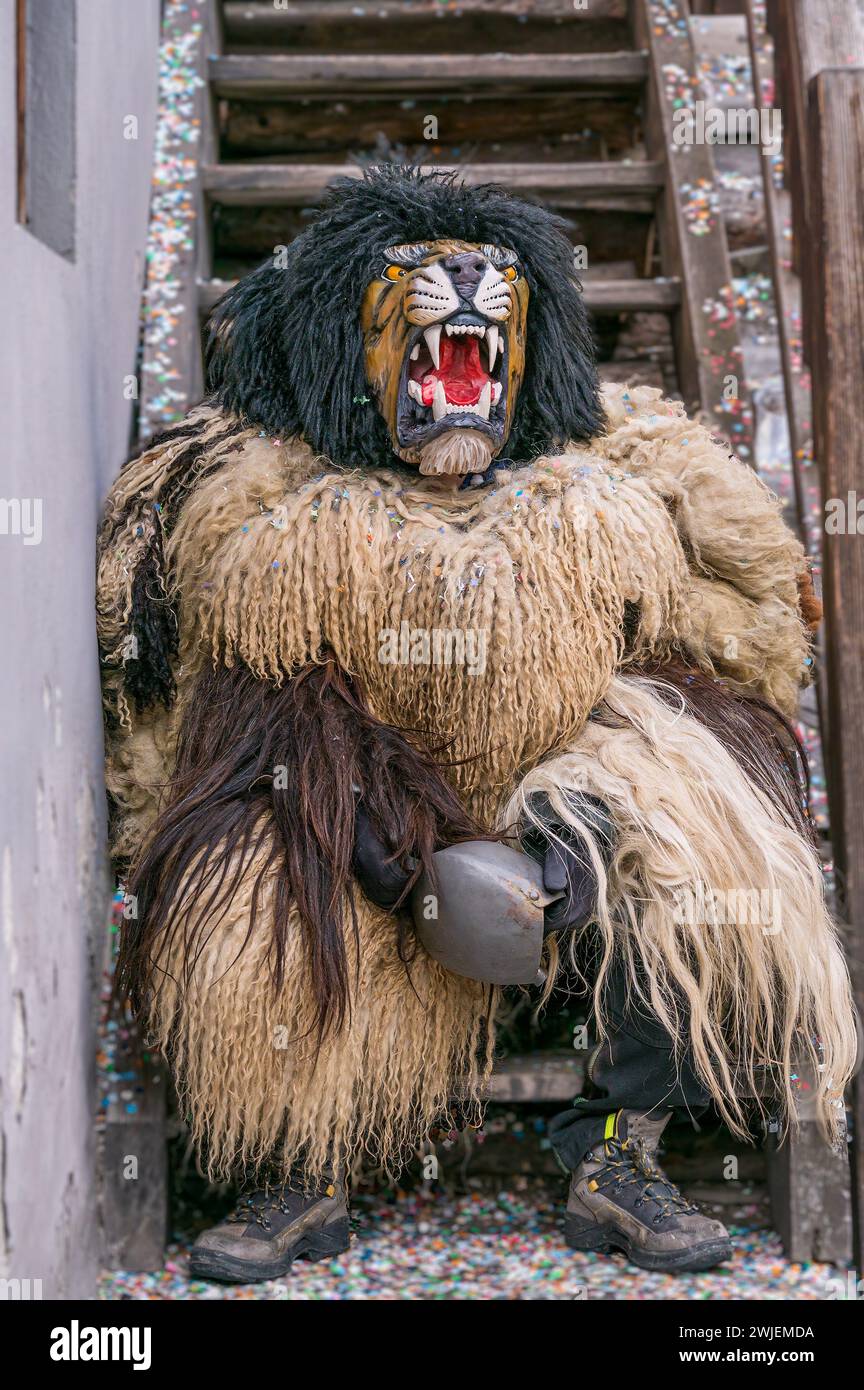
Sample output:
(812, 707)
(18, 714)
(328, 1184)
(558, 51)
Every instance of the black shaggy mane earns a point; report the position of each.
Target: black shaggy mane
(285, 349)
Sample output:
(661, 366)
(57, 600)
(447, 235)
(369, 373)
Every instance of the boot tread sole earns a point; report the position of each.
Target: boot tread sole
(324, 1244)
(604, 1239)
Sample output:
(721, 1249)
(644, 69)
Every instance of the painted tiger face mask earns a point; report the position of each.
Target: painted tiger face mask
(444, 327)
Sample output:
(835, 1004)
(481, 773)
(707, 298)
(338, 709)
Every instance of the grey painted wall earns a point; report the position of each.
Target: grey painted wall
(69, 332)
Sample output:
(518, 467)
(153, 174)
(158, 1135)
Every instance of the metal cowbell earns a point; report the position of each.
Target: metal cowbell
(481, 915)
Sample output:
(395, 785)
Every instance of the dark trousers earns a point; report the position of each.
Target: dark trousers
(635, 1068)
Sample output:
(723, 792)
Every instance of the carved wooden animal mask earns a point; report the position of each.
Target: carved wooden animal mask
(444, 328)
(398, 327)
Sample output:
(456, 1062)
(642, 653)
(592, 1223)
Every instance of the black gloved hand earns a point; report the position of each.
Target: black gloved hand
(567, 866)
(382, 878)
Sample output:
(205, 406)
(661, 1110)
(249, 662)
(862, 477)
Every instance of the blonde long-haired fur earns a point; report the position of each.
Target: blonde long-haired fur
(269, 554)
(757, 999)
(257, 1086)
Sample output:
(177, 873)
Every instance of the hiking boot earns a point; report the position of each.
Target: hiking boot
(268, 1230)
(647, 1125)
(620, 1199)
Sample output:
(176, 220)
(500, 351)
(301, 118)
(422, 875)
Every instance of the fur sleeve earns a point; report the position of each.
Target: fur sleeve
(744, 619)
(140, 648)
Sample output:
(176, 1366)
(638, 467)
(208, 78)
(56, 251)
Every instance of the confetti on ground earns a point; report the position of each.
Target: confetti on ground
(501, 1246)
(121, 1059)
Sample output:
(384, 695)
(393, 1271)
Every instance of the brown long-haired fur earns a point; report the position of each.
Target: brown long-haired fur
(269, 774)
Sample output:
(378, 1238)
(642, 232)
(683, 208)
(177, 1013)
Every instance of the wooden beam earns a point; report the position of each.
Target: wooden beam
(261, 75)
(835, 164)
(693, 238)
(787, 286)
(660, 296)
(809, 35)
(172, 378)
(320, 128)
(298, 184)
(134, 1158)
(538, 1076)
(809, 1189)
(789, 307)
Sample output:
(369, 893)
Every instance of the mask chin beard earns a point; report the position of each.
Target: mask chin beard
(457, 451)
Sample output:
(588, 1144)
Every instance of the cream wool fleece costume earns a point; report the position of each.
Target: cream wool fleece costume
(273, 555)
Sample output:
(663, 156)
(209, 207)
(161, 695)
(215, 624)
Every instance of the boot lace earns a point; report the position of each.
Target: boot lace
(255, 1206)
(629, 1164)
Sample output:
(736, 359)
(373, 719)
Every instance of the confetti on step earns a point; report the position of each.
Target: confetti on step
(726, 79)
(668, 20)
(700, 205)
(754, 302)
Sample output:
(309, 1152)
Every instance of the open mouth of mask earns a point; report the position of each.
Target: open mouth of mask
(454, 375)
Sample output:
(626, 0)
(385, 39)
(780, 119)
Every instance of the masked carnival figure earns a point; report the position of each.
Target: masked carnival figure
(431, 666)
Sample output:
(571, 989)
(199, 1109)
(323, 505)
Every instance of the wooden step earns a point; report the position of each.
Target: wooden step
(638, 296)
(538, 1076)
(478, 26)
(484, 125)
(247, 20)
(298, 184)
(265, 74)
(659, 296)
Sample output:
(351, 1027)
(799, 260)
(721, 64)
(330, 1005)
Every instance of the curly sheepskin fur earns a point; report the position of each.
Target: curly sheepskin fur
(653, 516)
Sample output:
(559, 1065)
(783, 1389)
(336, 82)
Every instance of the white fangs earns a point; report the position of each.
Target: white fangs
(439, 402)
(432, 334)
(485, 401)
(415, 391)
(490, 335)
(497, 388)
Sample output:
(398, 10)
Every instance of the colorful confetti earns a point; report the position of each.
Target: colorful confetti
(700, 205)
(499, 1246)
(121, 1059)
(667, 19)
(172, 219)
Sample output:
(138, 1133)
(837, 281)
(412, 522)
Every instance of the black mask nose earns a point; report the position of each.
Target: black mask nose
(466, 271)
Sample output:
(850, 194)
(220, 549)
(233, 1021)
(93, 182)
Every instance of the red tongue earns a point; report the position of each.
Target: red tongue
(460, 370)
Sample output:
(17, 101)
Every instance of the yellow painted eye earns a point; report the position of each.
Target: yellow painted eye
(511, 273)
(394, 272)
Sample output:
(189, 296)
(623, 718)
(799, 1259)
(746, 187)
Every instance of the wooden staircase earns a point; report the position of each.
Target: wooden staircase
(559, 103)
